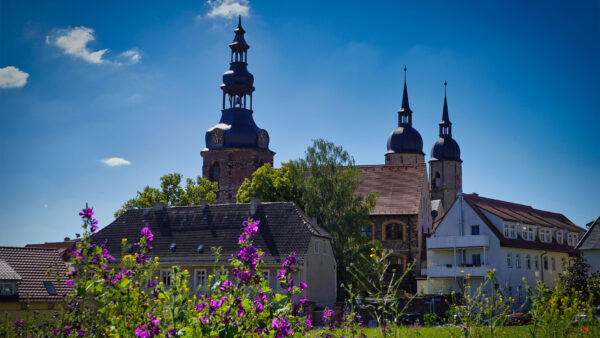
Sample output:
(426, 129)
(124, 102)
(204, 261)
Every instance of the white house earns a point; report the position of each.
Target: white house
(589, 246)
(479, 234)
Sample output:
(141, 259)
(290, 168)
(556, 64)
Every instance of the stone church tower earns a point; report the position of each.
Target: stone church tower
(236, 146)
(404, 145)
(445, 166)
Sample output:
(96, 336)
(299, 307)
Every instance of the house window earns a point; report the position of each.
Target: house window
(509, 231)
(474, 230)
(437, 180)
(542, 235)
(50, 288)
(367, 231)
(563, 262)
(572, 239)
(545, 263)
(316, 247)
(165, 277)
(524, 233)
(536, 262)
(518, 293)
(8, 288)
(559, 236)
(528, 261)
(518, 261)
(509, 260)
(476, 259)
(553, 263)
(215, 172)
(200, 279)
(394, 232)
(531, 234)
(396, 262)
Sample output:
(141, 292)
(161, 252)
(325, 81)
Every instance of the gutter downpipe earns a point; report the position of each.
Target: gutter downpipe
(460, 229)
(542, 264)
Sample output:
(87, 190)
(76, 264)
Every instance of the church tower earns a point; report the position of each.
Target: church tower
(445, 166)
(404, 144)
(236, 146)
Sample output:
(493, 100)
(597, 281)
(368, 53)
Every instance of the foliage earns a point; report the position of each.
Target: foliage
(171, 193)
(430, 319)
(561, 313)
(476, 311)
(127, 299)
(380, 290)
(578, 278)
(323, 184)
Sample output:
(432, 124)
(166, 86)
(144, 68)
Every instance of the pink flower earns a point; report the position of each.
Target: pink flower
(147, 233)
(302, 285)
(69, 282)
(86, 212)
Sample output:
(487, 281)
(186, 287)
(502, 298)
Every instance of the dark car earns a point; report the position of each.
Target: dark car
(518, 318)
(411, 318)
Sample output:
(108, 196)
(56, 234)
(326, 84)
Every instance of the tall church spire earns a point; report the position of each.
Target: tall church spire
(236, 146)
(404, 145)
(445, 124)
(405, 114)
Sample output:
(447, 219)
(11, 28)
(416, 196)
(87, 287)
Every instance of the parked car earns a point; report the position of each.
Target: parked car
(518, 318)
(411, 318)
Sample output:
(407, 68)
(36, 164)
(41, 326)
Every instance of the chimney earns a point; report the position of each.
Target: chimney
(313, 221)
(160, 206)
(67, 239)
(204, 204)
(254, 203)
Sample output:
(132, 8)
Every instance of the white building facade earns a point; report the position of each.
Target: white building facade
(478, 234)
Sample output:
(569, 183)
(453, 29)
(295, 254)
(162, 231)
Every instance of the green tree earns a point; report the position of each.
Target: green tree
(323, 184)
(172, 193)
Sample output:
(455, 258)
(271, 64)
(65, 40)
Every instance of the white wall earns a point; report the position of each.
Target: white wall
(320, 273)
(592, 257)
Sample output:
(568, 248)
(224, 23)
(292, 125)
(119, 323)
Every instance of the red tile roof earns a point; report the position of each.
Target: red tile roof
(525, 214)
(31, 264)
(400, 187)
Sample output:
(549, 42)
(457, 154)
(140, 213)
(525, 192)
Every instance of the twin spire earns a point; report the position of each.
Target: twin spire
(405, 113)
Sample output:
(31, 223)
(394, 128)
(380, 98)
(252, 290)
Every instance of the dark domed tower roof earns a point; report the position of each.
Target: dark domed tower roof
(405, 138)
(445, 148)
(237, 128)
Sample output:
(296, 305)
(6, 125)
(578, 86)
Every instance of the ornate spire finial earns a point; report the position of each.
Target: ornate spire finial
(445, 84)
(240, 21)
(405, 74)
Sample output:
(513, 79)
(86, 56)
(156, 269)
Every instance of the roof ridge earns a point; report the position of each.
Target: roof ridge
(32, 248)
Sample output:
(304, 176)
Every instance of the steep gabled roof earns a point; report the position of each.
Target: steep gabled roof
(523, 213)
(400, 187)
(32, 264)
(283, 229)
(591, 239)
(8, 273)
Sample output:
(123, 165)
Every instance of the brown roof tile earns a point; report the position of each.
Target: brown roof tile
(522, 213)
(31, 264)
(400, 187)
(283, 229)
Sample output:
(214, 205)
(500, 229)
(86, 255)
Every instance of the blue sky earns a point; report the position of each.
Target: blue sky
(83, 81)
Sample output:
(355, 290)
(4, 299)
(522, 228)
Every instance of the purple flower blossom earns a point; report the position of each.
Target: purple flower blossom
(146, 232)
(69, 282)
(86, 212)
(464, 328)
(327, 317)
(282, 327)
(302, 285)
(151, 284)
(226, 285)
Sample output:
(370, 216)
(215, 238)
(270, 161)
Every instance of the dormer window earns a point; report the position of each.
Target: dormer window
(8, 288)
(572, 239)
(559, 236)
(545, 235)
(510, 231)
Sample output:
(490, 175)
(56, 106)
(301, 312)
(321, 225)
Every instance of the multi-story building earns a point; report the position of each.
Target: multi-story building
(479, 234)
(589, 246)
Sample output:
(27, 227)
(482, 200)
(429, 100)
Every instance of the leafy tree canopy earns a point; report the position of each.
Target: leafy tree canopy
(323, 183)
(172, 193)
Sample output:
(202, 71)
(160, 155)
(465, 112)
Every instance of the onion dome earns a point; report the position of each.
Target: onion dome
(237, 128)
(445, 148)
(405, 138)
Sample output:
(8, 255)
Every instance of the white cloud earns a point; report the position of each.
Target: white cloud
(45, 206)
(12, 77)
(73, 41)
(115, 161)
(132, 55)
(228, 8)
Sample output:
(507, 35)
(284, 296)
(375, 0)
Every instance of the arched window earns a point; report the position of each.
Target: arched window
(394, 231)
(437, 180)
(396, 262)
(215, 172)
(367, 231)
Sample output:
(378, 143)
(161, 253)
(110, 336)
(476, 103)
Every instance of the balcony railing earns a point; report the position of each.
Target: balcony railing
(449, 242)
(455, 271)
